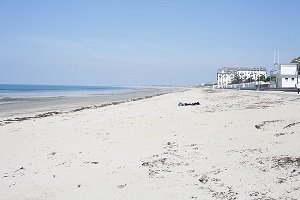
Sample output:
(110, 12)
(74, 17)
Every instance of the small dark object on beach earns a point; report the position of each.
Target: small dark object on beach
(78, 185)
(52, 153)
(203, 179)
(19, 169)
(145, 164)
(290, 125)
(257, 126)
(262, 124)
(286, 161)
(189, 104)
(122, 186)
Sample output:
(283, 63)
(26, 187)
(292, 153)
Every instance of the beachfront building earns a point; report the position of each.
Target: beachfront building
(226, 75)
(287, 76)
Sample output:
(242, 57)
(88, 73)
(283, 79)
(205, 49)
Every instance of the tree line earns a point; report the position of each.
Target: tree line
(237, 79)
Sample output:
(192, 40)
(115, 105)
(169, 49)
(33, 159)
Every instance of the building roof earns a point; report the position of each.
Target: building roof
(292, 64)
(235, 69)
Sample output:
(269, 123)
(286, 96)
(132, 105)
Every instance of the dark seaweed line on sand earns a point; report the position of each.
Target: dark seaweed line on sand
(52, 113)
(290, 125)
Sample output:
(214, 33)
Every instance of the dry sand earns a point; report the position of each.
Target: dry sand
(235, 145)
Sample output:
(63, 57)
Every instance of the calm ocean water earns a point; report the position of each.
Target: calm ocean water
(16, 90)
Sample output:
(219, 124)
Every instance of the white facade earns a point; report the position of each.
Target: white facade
(287, 76)
(226, 75)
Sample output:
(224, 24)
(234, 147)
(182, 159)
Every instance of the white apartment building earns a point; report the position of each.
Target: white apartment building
(287, 76)
(226, 75)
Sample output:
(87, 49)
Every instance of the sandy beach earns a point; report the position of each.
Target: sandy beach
(25, 105)
(234, 145)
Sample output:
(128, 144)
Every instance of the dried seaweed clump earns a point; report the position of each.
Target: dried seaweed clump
(286, 161)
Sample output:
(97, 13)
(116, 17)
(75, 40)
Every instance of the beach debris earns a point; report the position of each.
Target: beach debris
(254, 194)
(21, 168)
(63, 163)
(12, 184)
(47, 114)
(170, 160)
(19, 119)
(262, 124)
(188, 104)
(79, 185)
(122, 186)
(15, 173)
(221, 192)
(285, 161)
(245, 152)
(280, 134)
(53, 113)
(203, 179)
(257, 126)
(93, 162)
(281, 180)
(52, 153)
(290, 125)
(260, 195)
(171, 145)
(145, 164)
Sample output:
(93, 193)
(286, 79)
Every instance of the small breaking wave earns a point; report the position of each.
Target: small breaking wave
(10, 99)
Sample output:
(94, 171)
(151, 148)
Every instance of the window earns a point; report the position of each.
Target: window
(286, 79)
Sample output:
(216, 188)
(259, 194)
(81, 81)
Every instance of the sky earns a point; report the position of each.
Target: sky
(136, 42)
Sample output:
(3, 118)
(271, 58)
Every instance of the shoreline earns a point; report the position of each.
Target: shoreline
(129, 97)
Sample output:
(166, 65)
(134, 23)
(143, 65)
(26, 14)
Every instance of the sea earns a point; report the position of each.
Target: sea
(12, 91)
(26, 100)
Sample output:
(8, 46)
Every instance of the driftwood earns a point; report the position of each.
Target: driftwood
(189, 104)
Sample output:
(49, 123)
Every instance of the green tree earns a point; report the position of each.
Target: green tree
(261, 78)
(249, 80)
(297, 61)
(236, 79)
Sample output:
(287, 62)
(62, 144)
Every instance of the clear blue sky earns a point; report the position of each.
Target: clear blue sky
(141, 42)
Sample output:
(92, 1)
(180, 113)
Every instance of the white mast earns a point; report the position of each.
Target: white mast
(278, 58)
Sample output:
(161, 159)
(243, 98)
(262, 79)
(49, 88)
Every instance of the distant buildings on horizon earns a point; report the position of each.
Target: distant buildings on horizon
(227, 75)
(283, 76)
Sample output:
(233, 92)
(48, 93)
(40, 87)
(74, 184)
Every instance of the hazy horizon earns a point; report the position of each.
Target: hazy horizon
(97, 43)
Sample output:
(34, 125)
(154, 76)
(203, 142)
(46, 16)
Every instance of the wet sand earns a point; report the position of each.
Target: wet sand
(28, 106)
